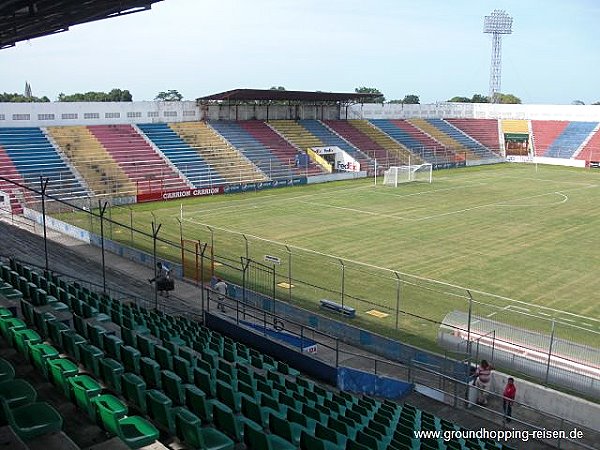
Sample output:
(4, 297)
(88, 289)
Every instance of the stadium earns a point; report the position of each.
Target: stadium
(373, 254)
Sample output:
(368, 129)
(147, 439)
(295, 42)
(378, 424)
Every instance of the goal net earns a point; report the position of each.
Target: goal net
(396, 175)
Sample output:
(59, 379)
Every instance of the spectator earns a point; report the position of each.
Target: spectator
(162, 278)
(483, 377)
(508, 398)
(221, 288)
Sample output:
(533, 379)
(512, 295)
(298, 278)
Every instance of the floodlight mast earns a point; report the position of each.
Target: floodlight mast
(496, 24)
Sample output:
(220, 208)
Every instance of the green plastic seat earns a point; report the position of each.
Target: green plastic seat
(305, 422)
(21, 337)
(40, 354)
(325, 433)
(82, 389)
(145, 345)
(150, 371)
(71, 342)
(7, 371)
(288, 431)
(27, 310)
(253, 411)
(227, 395)
(160, 409)
(131, 359)
(189, 430)
(196, 402)
(95, 333)
(256, 439)
(310, 442)
(183, 368)
(229, 423)
(173, 387)
(204, 381)
(108, 410)
(112, 345)
(33, 420)
(5, 313)
(60, 369)
(163, 357)
(55, 332)
(342, 428)
(111, 371)
(129, 337)
(133, 388)
(16, 393)
(8, 323)
(136, 431)
(90, 357)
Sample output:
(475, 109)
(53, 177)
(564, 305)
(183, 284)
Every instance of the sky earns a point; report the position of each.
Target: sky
(432, 48)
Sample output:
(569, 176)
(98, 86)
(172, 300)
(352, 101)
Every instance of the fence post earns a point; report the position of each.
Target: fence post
(155, 231)
(131, 223)
(343, 285)
(247, 248)
(398, 287)
(469, 323)
(289, 272)
(202, 273)
(550, 350)
(102, 210)
(43, 186)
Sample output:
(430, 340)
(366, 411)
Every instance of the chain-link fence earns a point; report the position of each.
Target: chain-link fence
(414, 308)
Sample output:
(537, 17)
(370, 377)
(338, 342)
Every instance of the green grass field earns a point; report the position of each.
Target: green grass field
(524, 240)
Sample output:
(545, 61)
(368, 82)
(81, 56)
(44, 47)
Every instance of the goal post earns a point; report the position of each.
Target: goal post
(396, 175)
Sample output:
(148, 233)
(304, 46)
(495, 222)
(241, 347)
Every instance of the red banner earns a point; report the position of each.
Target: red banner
(174, 195)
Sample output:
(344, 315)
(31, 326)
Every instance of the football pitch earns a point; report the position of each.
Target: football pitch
(522, 241)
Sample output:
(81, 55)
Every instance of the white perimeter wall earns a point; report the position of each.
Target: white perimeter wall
(106, 113)
(581, 113)
(90, 113)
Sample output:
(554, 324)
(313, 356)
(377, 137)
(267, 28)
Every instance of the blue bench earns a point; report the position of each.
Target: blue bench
(336, 307)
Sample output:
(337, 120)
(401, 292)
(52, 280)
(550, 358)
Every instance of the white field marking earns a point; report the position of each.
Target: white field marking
(391, 271)
(274, 199)
(432, 191)
(580, 183)
(564, 199)
(521, 308)
(344, 208)
(500, 203)
(268, 199)
(507, 307)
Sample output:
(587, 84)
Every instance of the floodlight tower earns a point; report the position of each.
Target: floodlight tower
(497, 24)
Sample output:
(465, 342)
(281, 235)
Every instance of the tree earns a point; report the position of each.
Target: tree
(277, 88)
(577, 102)
(478, 98)
(411, 99)
(597, 103)
(115, 95)
(508, 98)
(8, 97)
(368, 90)
(459, 99)
(171, 95)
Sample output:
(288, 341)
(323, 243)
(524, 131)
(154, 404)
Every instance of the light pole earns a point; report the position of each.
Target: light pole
(496, 24)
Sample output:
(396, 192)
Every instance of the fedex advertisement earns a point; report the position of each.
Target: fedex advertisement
(343, 161)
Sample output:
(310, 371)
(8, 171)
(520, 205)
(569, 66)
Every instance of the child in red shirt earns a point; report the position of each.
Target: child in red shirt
(510, 391)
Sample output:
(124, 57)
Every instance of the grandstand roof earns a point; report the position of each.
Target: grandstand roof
(27, 19)
(242, 95)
